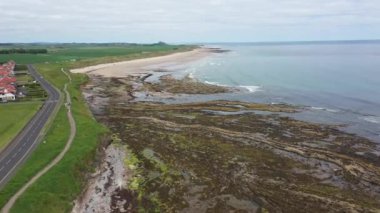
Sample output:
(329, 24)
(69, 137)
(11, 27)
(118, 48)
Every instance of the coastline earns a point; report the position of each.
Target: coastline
(142, 66)
(254, 156)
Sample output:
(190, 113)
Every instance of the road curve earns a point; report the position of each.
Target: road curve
(25, 142)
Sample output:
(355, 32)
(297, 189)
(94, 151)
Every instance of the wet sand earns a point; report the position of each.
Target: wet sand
(139, 66)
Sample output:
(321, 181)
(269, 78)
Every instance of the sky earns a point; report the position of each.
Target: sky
(187, 21)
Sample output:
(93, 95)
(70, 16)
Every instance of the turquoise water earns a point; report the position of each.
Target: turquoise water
(337, 83)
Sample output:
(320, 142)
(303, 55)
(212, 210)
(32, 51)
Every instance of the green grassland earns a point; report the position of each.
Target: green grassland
(32, 90)
(46, 195)
(24, 79)
(14, 117)
(45, 152)
(55, 191)
(74, 52)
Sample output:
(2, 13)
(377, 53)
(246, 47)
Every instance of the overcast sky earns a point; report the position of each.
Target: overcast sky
(187, 20)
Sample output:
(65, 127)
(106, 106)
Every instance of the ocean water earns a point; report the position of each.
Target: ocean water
(337, 83)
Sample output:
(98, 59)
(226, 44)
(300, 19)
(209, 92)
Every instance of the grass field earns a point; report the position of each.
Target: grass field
(48, 196)
(23, 79)
(55, 191)
(46, 151)
(14, 116)
(79, 52)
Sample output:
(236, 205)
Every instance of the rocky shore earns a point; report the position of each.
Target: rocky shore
(221, 156)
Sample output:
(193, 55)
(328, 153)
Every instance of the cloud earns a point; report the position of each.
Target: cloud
(188, 20)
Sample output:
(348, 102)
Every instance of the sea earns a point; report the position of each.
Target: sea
(334, 83)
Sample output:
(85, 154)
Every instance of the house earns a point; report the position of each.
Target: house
(7, 82)
(7, 97)
(5, 88)
(10, 65)
(3, 73)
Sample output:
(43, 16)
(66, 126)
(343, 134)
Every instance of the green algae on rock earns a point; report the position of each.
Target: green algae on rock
(220, 156)
(185, 85)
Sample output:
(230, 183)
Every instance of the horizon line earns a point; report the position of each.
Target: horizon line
(200, 43)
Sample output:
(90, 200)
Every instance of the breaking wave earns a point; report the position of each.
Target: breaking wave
(372, 119)
(324, 109)
(251, 89)
(216, 83)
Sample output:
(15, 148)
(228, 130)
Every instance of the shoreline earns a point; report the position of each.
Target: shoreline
(169, 62)
(167, 145)
(172, 142)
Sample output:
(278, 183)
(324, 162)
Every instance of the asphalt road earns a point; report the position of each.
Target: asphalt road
(25, 142)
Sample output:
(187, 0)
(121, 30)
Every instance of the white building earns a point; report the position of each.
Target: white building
(7, 97)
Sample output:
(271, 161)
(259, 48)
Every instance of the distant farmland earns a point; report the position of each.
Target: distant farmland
(75, 52)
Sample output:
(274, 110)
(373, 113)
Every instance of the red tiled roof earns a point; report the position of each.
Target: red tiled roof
(11, 89)
(8, 89)
(8, 80)
(5, 80)
(10, 65)
(4, 73)
(3, 84)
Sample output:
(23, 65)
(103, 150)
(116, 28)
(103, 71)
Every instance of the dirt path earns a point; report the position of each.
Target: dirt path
(73, 130)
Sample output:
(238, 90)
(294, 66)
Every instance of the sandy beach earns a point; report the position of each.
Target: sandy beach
(168, 63)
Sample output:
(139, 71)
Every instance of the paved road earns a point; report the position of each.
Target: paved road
(25, 142)
(73, 129)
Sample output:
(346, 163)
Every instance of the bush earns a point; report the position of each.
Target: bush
(23, 51)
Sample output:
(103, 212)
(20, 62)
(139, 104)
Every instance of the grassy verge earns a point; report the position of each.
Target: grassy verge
(23, 79)
(16, 116)
(49, 148)
(46, 195)
(56, 190)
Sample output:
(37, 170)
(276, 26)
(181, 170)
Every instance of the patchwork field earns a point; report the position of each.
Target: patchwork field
(88, 52)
